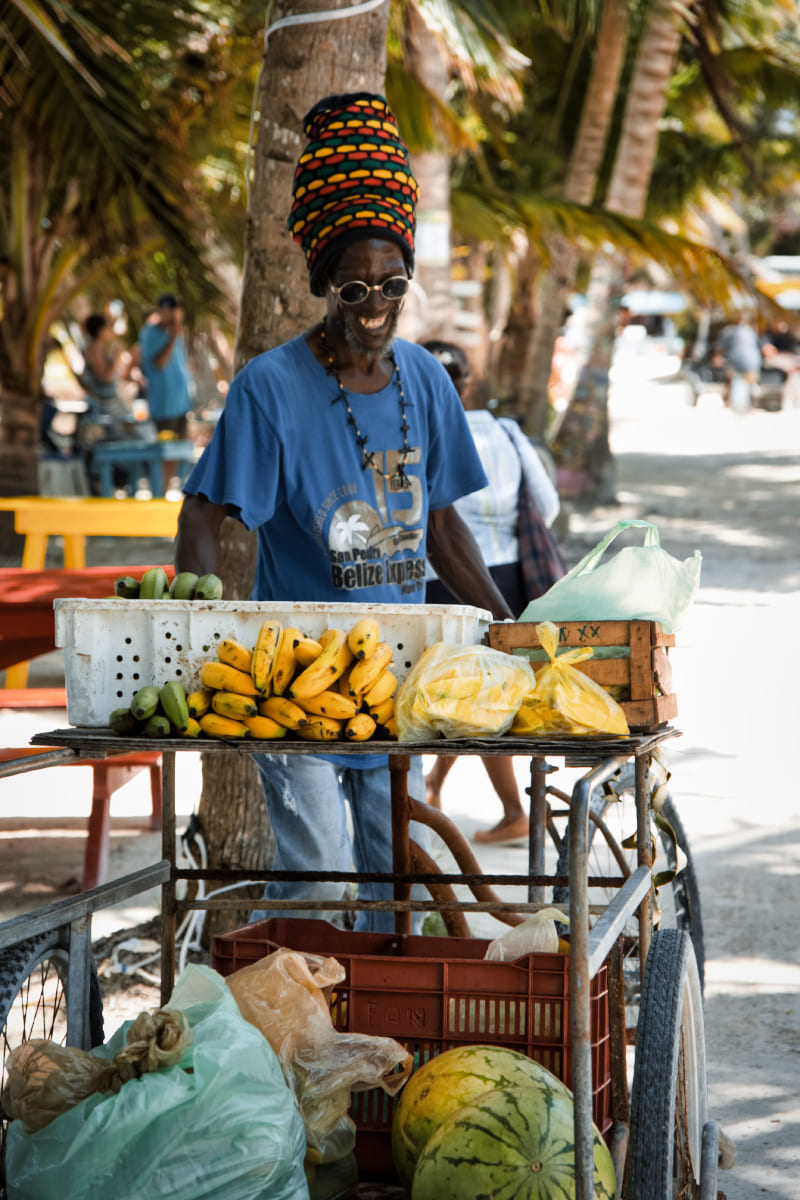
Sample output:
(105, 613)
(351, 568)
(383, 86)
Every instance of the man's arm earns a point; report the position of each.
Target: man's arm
(197, 542)
(457, 560)
(161, 359)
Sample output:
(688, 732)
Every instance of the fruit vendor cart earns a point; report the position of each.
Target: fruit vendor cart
(571, 1011)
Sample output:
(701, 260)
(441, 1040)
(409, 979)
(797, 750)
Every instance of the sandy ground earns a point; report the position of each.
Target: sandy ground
(731, 488)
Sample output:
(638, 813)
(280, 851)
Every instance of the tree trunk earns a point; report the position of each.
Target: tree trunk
(579, 188)
(521, 319)
(627, 194)
(433, 315)
(302, 63)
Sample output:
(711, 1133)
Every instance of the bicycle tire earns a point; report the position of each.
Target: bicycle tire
(33, 989)
(669, 1098)
(680, 899)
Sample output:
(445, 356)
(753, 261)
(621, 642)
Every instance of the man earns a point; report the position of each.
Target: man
(163, 362)
(739, 346)
(345, 449)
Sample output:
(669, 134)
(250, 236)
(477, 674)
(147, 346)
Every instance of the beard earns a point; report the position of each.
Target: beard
(355, 339)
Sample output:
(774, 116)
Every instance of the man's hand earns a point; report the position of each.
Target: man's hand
(457, 560)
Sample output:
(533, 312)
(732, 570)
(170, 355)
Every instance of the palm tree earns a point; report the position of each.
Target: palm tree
(95, 183)
(589, 456)
(579, 187)
(758, 39)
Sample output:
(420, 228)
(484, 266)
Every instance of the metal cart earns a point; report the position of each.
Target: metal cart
(661, 1139)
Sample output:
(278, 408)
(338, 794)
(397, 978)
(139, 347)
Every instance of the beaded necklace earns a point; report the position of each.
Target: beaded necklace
(397, 480)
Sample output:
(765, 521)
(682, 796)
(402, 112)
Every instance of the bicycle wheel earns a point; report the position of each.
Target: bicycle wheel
(612, 819)
(33, 994)
(669, 1102)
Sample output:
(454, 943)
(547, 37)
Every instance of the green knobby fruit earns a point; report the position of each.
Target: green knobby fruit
(123, 721)
(208, 587)
(183, 585)
(154, 584)
(145, 703)
(127, 587)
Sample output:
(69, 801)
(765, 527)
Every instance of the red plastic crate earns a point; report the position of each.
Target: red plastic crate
(430, 994)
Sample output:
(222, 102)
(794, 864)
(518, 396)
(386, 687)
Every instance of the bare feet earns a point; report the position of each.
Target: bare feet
(432, 794)
(435, 778)
(513, 830)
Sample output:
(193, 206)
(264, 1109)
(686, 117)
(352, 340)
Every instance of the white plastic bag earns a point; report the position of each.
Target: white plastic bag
(536, 935)
(642, 583)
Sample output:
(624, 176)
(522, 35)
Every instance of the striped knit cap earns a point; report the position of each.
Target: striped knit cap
(352, 181)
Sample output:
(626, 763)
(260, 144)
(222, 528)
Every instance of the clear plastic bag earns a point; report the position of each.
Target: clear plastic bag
(461, 692)
(565, 700)
(220, 1123)
(284, 995)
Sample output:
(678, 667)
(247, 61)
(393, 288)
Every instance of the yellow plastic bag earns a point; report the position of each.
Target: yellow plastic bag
(283, 996)
(461, 692)
(565, 700)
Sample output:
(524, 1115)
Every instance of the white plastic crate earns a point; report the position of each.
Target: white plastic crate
(113, 647)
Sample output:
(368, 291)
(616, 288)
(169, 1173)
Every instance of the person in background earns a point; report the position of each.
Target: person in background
(163, 362)
(779, 348)
(492, 515)
(106, 416)
(740, 349)
(345, 448)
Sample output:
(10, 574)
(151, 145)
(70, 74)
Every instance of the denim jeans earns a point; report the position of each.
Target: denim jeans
(306, 801)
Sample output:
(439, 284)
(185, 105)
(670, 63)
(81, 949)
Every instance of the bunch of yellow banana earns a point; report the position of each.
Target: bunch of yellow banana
(338, 686)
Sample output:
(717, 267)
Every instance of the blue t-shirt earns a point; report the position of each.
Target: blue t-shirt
(285, 457)
(168, 387)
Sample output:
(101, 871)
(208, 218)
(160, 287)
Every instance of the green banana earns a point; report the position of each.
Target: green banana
(157, 726)
(127, 587)
(123, 721)
(183, 585)
(154, 584)
(173, 703)
(144, 703)
(208, 587)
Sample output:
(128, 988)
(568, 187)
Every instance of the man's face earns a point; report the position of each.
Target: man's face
(169, 316)
(368, 327)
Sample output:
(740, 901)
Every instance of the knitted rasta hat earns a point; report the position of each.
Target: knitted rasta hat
(352, 181)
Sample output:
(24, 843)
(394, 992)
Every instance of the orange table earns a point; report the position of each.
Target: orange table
(27, 621)
(74, 518)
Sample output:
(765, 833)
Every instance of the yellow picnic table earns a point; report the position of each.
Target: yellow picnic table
(74, 518)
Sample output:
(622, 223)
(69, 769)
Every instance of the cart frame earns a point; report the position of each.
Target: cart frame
(589, 948)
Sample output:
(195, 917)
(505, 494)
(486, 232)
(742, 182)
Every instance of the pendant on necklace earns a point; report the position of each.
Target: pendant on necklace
(398, 480)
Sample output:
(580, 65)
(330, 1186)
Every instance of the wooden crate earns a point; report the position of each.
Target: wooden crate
(645, 672)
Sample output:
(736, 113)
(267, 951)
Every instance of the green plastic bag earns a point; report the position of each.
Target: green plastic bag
(221, 1123)
(639, 583)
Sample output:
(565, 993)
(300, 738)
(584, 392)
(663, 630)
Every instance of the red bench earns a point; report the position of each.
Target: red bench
(27, 621)
(107, 776)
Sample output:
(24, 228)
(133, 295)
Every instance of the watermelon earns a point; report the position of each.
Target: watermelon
(510, 1144)
(449, 1081)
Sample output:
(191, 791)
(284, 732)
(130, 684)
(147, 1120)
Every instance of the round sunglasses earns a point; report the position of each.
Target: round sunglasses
(356, 292)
